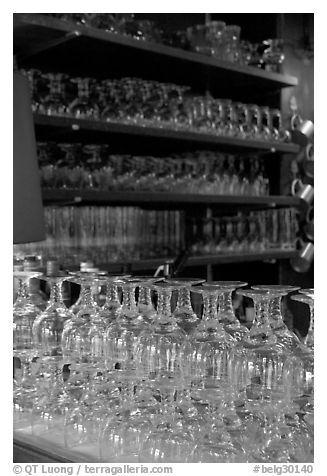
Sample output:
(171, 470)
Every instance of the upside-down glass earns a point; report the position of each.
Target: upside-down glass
(261, 336)
(112, 305)
(24, 314)
(183, 313)
(47, 335)
(307, 297)
(285, 336)
(144, 303)
(226, 314)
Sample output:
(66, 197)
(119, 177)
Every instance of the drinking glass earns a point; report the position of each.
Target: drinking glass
(145, 306)
(47, 336)
(87, 281)
(122, 436)
(261, 336)
(111, 308)
(231, 40)
(55, 102)
(226, 314)
(273, 55)
(164, 446)
(285, 336)
(24, 315)
(255, 121)
(266, 123)
(276, 124)
(306, 296)
(84, 106)
(183, 313)
(123, 333)
(157, 353)
(198, 39)
(214, 36)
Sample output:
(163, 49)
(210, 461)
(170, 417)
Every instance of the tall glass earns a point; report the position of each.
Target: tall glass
(47, 335)
(24, 315)
(158, 351)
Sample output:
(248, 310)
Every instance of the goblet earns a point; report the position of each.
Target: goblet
(112, 305)
(261, 335)
(307, 404)
(184, 315)
(122, 334)
(307, 297)
(285, 336)
(122, 436)
(54, 103)
(24, 315)
(144, 304)
(164, 446)
(157, 351)
(86, 280)
(47, 336)
(226, 313)
(210, 328)
(84, 105)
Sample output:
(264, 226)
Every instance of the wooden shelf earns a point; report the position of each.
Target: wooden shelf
(54, 44)
(78, 130)
(169, 199)
(47, 448)
(223, 258)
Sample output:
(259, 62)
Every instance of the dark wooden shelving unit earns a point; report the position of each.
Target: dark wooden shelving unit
(170, 199)
(203, 260)
(77, 130)
(59, 45)
(28, 448)
(51, 44)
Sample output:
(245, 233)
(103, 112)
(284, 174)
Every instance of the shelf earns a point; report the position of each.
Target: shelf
(224, 258)
(80, 130)
(53, 44)
(167, 199)
(47, 448)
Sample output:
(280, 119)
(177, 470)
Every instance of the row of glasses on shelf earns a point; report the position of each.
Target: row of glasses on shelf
(120, 23)
(76, 166)
(254, 231)
(148, 381)
(151, 103)
(214, 38)
(106, 234)
(223, 42)
(110, 234)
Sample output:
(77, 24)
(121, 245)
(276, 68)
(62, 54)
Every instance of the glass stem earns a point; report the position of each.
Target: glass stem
(145, 296)
(225, 307)
(112, 295)
(184, 300)
(309, 339)
(261, 309)
(87, 295)
(22, 292)
(163, 308)
(210, 316)
(276, 318)
(56, 293)
(129, 303)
